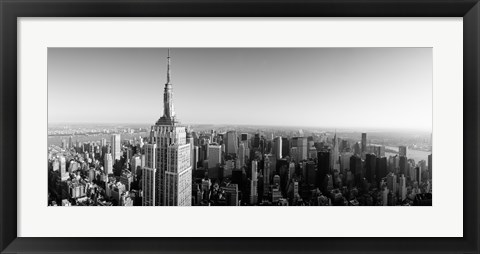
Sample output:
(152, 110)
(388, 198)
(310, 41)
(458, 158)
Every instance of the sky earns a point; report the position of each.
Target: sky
(379, 88)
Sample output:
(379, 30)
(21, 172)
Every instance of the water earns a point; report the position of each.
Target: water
(417, 155)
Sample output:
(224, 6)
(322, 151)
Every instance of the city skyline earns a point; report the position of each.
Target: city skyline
(174, 165)
(79, 71)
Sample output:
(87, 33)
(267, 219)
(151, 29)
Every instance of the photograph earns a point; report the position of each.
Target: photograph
(240, 126)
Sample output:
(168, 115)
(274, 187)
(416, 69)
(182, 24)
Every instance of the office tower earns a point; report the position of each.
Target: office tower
(311, 174)
(231, 142)
(403, 165)
(291, 170)
(394, 164)
(357, 149)
(364, 145)
(70, 142)
(231, 193)
(345, 162)
(385, 196)
(196, 154)
(150, 155)
(64, 144)
(370, 164)
(171, 154)
(302, 148)
(378, 150)
(392, 182)
(116, 151)
(148, 186)
(334, 155)
(268, 167)
(381, 168)
(63, 169)
(178, 176)
(285, 147)
(402, 151)
(241, 155)
(345, 146)
(135, 164)
(228, 168)
(254, 183)
(108, 164)
(417, 175)
(323, 168)
(126, 179)
(256, 140)
(402, 188)
(277, 147)
(356, 167)
(214, 155)
(192, 155)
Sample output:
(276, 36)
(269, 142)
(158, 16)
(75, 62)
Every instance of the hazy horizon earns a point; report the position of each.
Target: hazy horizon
(343, 88)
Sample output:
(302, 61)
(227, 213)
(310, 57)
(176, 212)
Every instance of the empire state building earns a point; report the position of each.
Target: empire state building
(167, 175)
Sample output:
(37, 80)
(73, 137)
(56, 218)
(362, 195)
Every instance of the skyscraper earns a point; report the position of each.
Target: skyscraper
(241, 155)
(277, 147)
(334, 155)
(214, 155)
(370, 165)
(231, 142)
(402, 151)
(148, 175)
(254, 183)
(364, 144)
(172, 153)
(108, 164)
(116, 151)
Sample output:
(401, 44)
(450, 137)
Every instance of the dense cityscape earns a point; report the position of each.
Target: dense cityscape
(170, 164)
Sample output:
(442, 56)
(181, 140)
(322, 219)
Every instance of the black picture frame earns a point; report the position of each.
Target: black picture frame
(10, 10)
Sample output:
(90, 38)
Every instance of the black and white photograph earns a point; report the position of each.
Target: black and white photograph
(240, 126)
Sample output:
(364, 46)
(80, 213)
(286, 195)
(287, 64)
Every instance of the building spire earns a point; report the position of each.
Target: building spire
(168, 67)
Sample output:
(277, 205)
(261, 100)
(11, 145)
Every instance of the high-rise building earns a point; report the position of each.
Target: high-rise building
(116, 150)
(172, 156)
(285, 147)
(370, 164)
(196, 154)
(241, 155)
(268, 169)
(108, 164)
(323, 168)
(148, 186)
(178, 176)
(392, 182)
(381, 168)
(364, 145)
(301, 148)
(63, 169)
(231, 142)
(135, 164)
(402, 188)
(277, 147)
(403, 165)
(356, 167)
(254, 183)
(214, 155)
(231, 193)
(402, 151)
